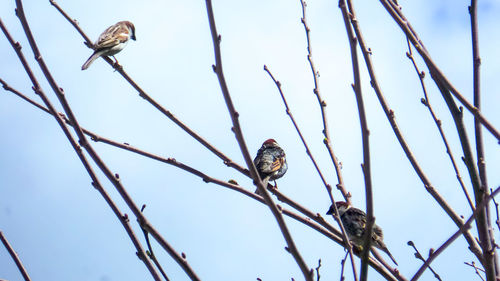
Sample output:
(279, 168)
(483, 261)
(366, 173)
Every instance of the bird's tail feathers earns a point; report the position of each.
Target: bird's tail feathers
(92, 58)
(390, 256)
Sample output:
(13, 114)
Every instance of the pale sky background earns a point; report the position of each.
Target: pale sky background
(63, 230)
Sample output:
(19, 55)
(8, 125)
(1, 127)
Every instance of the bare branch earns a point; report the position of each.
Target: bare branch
(420, 257)
(328, 187)
(425, 101)
(227, 161)
(216, 38)
(317, 270)
(395, 11)
(113, 178)
(95, 181)
(481, 161)
(392, 120)
(480, 207)
(365, 134)
(322, 105)
(150, 253)
(476, 269)
(15, 257)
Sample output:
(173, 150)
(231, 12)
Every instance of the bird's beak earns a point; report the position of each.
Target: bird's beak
(331, 211)
(133, 37)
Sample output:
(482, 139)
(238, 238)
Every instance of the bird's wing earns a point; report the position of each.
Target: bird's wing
(112, 36)
(354, 221)
(277, 164)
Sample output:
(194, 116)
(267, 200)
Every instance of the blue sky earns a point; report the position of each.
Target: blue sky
(62, 228)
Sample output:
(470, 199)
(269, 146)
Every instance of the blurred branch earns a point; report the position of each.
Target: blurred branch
(450, 240)
(476, 269)
(317, 270)
(392, 120)
(15, 257)
(216, 38)
(227, 161)
(342, 265)
(328, 187)
(95, 181)
(322, 105)
(420, 257)
(113, 178)
(394, 10)
(425, 101)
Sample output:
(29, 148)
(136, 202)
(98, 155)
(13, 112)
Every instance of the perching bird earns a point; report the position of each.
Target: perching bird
(270, 162)
(354, 221)
(112, 41)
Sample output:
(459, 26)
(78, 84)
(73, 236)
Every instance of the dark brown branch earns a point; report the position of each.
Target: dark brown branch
(487, 259)
(365, 135)
(395, 11)
(150, 253)
(321, 225)
(95, 181)
(328, 187)
(481, 161)
(497, 222)
(425, 101)
(317, 270)
(322, 105)
(227, 161)
(392, 120)
(479, 208)
(15, 257)
(234, 115)
(113, 178)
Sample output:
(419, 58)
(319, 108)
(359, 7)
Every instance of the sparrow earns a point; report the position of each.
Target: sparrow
(270, 162)
(112, 41)
(354, 221)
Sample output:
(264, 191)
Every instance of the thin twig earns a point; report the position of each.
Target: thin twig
(321, 225)
(365, 135)
(226, 160)
(425, 101)
(395, 11)
(150, 253)
(113, 178)
(481, 160)
(392, 120)
(328, 187)
(497, 222)
(234, 115)
(487, 260)
(317, 270)
(342, 265)
(450, 240)
(420, 257)
(476, 269)
(322, 105)
(95, 180)
(15, 257)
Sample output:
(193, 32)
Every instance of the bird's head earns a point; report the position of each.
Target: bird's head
(270, 143)
(132, 29)
(341, 206)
